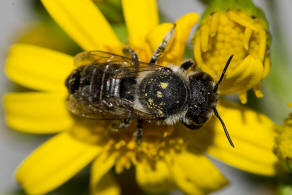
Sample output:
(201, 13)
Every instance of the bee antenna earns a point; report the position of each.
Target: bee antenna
(223, 72)
(223, 125)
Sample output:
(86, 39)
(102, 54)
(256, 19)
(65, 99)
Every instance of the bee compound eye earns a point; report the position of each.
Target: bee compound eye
(197, 115)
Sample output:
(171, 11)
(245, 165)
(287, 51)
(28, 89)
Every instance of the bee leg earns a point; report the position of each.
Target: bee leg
(125, 123)
(191, 126)
(134, 56)
(108, 104)
(162, 46)
(187, 64)
(139, 132)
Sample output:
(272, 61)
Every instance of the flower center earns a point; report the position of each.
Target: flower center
(240, 36)
(157, 140)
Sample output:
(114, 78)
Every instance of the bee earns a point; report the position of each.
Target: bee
(106, 86)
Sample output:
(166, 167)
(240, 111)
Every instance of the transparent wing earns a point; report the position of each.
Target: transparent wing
(101, 57)
(125, 69)
(100, 112)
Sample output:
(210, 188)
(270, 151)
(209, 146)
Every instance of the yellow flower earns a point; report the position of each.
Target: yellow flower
(170, 157)
(242, 31)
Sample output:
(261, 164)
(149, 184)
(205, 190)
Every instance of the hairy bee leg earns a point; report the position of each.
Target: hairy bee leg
(134, 56)
(107, 104)
(163, 45)
(125, 123)
(187, 64)
(139, 132)
(191, 126)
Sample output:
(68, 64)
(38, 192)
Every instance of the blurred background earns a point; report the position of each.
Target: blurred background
(20, 20)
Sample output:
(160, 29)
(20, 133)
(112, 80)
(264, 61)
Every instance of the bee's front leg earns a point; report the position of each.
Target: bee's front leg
(161, 48)
(191, 126)
(134, 56)
(139, 132)
(124, 124)
(187, 64)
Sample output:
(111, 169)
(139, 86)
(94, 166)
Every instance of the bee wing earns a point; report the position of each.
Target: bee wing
(100, 57)
(100, 112)
(132, 71)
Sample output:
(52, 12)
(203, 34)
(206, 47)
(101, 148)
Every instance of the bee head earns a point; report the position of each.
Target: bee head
(202, 98)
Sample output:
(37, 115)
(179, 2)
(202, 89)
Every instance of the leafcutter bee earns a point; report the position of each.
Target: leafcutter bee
(106, 86)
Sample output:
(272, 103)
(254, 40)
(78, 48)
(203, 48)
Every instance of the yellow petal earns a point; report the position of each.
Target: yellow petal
(240, 19)
(104, 162)
(174, 54)
(213, 23)
(267, 66)
(252, 134)
(262, 42)
(155, 37)
(246, 39)
(107, 186)
(195, 174)
(199, 58)
(37, 112)
(204, 30)
(141, 16)
(258, 92)
(155, 178)
(84, 23)
(38, 68)
(245, 76)
(243, 97)
(53, 163)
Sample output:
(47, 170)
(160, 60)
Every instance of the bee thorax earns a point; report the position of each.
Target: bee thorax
(163, 93)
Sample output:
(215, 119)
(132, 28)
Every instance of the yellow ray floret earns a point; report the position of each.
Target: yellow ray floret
(85, 24)
(37, 112)
(54, 163)
(141, 17)
(38, 68)
(174, 53)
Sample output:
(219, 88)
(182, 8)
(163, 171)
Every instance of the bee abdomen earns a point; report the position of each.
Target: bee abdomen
(97, 83)
(85, 82)
(72, 82)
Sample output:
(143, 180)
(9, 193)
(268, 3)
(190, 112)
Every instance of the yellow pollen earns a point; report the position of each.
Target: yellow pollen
(163, 85)
(157, 141)
(150, 100)
(159, 94)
